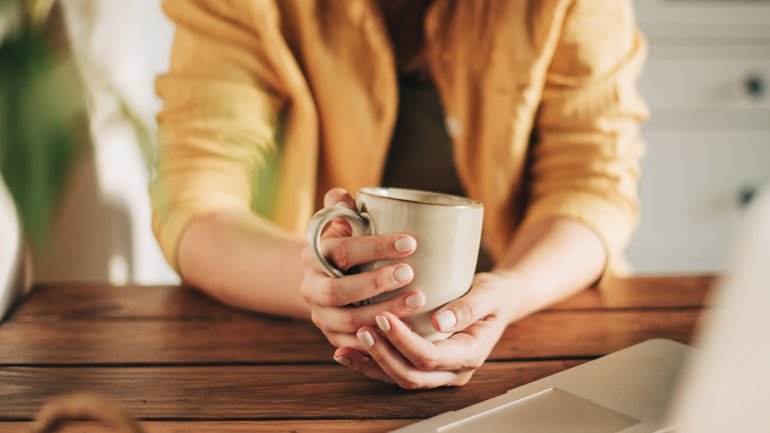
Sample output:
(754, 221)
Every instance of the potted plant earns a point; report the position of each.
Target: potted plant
(42, 111)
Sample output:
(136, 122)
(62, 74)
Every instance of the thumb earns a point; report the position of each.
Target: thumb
(463, 312)
(339, 227)
(339, 197)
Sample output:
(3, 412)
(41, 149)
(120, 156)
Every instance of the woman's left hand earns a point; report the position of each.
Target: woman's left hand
(398, 355)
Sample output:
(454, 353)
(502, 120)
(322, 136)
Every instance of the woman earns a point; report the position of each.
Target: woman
(276, 108)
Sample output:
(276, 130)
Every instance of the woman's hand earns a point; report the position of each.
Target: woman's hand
(330, 298)
(397, 355)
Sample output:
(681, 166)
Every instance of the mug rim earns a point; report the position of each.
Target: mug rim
(378, 191)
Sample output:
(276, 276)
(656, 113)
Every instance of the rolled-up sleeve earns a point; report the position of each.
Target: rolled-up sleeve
(585, 161)
(222, 101)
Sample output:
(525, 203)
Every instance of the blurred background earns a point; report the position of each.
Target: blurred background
(706, 81)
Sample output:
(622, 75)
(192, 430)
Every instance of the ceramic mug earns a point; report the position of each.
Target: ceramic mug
(448, 232)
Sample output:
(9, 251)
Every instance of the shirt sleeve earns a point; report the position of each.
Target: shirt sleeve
(222, 101)
(585, 160)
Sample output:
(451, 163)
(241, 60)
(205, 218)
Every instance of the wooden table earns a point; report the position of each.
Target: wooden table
(181, 362)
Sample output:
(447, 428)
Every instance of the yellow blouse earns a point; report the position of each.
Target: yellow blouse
(268, 104)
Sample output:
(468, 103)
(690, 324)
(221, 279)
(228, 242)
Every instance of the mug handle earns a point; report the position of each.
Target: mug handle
(360, 222)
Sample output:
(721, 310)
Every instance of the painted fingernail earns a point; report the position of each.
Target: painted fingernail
(416, 300)
(403, 273)
(405, 244)
(382, 323)
(365, 338)
(446, 320)
(343, 360)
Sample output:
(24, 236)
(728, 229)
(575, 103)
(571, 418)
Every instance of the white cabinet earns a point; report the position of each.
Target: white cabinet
(707, 82)
(728, 76)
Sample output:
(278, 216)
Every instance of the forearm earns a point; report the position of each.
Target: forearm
(244, 261)
(548, 261)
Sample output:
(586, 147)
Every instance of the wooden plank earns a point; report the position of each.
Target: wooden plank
(314, 426)
(592, 334)
(644, 292)
(56, 303)
(261, 339)
(250, 339)
(256, 392)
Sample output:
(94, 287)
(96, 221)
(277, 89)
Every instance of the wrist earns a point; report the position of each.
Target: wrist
(512, 295)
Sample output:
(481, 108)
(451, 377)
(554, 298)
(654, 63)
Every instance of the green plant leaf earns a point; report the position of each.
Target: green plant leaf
(41, 109)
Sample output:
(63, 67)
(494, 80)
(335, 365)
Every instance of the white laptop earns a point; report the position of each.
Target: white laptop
(657, 385)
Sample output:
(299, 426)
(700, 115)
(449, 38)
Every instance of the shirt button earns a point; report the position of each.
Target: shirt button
(453, 126)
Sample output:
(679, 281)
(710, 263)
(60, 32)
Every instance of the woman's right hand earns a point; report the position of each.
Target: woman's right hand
(330, 298)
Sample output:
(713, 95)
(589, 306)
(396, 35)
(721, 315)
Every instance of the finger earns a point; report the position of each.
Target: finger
(399, 368)
(339, 196)
(461, 352)
(337, 292)
(478, 303)
(357, 360)
(344, 339)
(349, 319)
(346, 252)
(338, 227)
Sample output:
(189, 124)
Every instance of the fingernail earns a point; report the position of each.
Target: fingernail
(365, 338)
(403, 273)
(416, 300)
(405, 244)
(343, 360)
(446, 320)
(383, 323)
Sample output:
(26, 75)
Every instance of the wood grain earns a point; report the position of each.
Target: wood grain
(99, 302)
(644, 292)
(256, 392)
(185, 363)
(260, 339)
(314, 426)
(57, 303)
